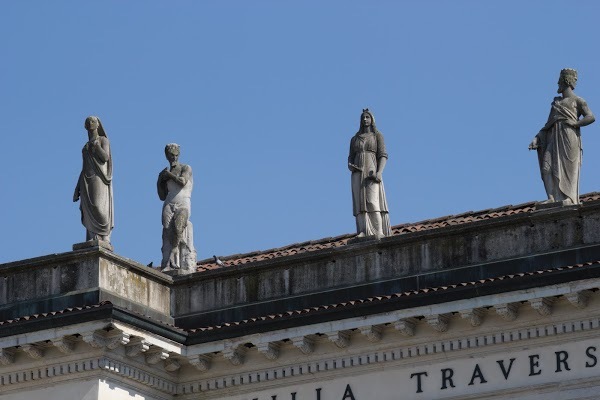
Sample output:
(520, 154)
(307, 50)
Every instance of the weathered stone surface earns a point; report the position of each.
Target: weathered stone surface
(136, 347)
(526, 241)
(507, 311)
(93, 243)
(80, 278)
(406, 326)
(235, 355)
(65, 345)
(474, 316)
(340, 338)
(94, 186)
(270, 350)
(172, 364)
(201, 362)
(306, 344)
(155, 354)
(175, 185)
(579, 299)
(543, 305)
(558, 143)
(366, 162)
(372, 333)
(514, 244)
(33, 351)
(7, 356)
(438, 322)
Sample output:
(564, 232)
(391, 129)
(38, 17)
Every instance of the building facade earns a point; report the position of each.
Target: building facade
(496, 304)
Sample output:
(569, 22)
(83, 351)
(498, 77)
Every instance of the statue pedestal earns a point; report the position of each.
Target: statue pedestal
(362, 239)
(554, 204)
(93, 243)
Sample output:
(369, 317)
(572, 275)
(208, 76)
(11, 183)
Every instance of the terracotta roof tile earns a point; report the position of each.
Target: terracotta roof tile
(52, 313)
(338, 241)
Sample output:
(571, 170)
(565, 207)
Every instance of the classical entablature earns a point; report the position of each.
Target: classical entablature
(484, 308)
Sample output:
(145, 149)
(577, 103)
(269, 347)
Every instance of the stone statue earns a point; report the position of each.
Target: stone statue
(174, 186)
(558, 143)
(94, 186)
(366, 161)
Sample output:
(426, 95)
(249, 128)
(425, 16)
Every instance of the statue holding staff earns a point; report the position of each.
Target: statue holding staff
(558, 143)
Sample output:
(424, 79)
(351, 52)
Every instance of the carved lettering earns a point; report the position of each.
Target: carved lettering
(477, 374)
(505, 371)
(348, 393)
(534, 363)
(418, 375)
(561, 359)
(447, 374)
(588, 352)
(318, 393)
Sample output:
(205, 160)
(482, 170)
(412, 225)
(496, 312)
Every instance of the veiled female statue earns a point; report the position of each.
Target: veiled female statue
(366, 161)
(94, 186)
(558, 143)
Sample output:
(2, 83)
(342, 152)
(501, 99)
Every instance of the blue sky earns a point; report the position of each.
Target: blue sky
(263, 98)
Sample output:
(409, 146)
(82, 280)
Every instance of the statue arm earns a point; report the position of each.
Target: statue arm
(588, 116)
(77, 192)
(538, 139)
(181, 180)
(102, 149)
(351, 166)
(380, 166)
(186, 175)
(161, 188)
(381, 157)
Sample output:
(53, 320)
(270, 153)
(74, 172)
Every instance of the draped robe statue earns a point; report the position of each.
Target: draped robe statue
(94, 186)
(558, 143)
(366, 161)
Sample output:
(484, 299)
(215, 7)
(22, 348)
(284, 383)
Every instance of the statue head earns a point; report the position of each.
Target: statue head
(92, 122)
(568, 78)
(367, 120)
(172, 152)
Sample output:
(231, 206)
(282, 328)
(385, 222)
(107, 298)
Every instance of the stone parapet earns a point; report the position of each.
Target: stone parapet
(453, 254)
(483, 249)
(79, 278)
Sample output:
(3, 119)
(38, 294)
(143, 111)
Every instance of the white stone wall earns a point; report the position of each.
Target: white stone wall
(70, 390)
(112, 390)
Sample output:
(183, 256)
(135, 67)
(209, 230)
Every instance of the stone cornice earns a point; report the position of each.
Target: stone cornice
(43, 375)
(432, 330)
(410, 354)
